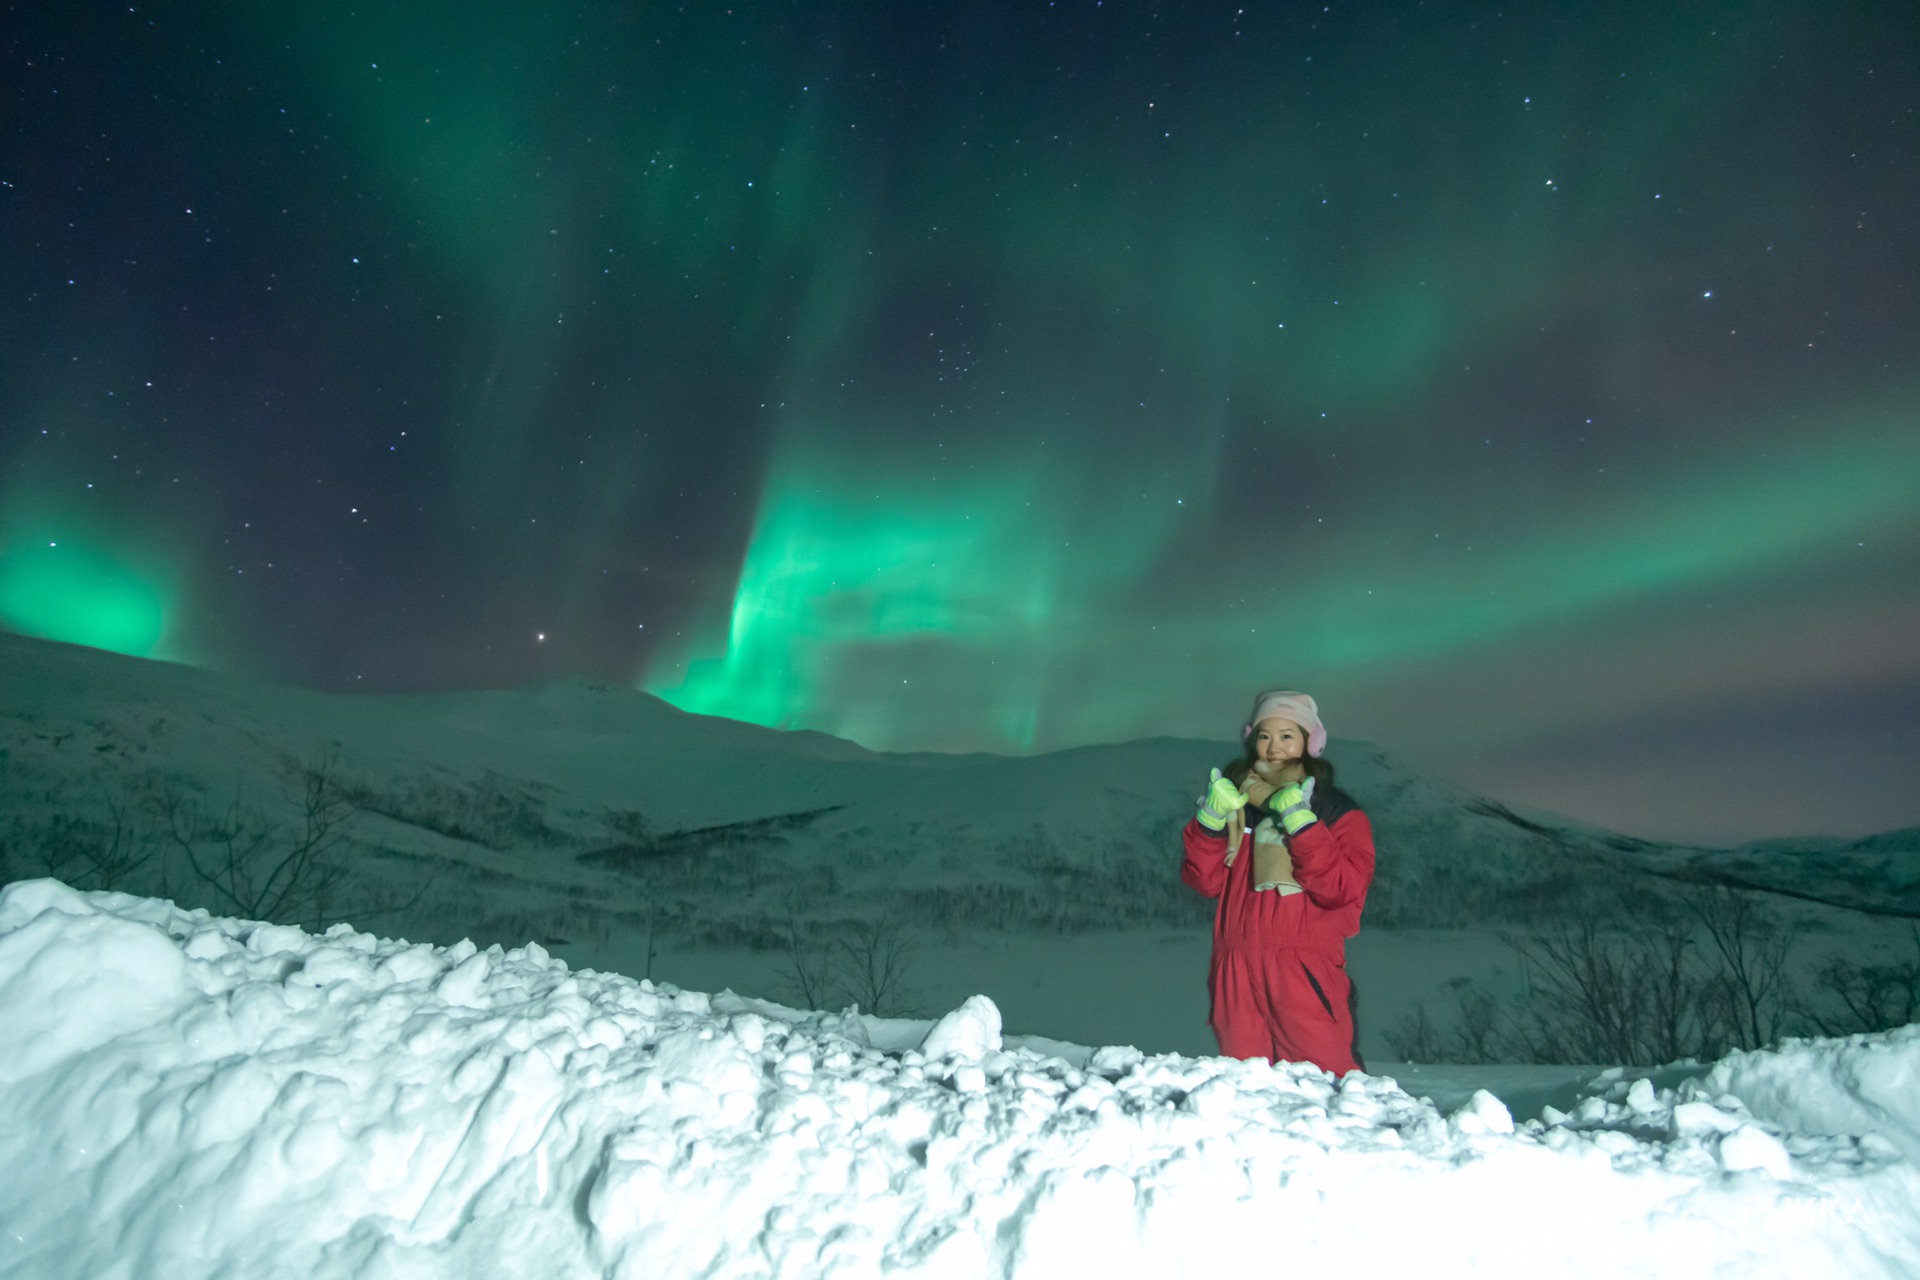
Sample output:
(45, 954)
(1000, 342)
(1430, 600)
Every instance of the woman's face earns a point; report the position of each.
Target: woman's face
(1277, 742)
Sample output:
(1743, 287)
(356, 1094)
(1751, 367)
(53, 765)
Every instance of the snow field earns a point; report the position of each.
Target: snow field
(187, 1095)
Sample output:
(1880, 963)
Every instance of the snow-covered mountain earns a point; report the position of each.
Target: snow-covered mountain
(610, 826)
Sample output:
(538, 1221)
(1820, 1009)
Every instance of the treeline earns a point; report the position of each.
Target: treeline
(1720, 971)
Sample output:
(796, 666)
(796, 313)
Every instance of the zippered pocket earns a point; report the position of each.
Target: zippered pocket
(1317, 991)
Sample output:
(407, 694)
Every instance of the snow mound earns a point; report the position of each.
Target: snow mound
(1863, 1086)
(972, 1030)
(188, 1095)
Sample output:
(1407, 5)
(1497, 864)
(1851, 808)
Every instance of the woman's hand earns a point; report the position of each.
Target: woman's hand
(1222, 799)
(1290, 806)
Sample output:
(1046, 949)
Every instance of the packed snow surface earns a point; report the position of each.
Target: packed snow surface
(182, 1095)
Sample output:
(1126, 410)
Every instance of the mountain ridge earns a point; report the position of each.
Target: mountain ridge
(542, 785)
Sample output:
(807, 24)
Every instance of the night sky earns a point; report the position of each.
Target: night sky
(1539, 385)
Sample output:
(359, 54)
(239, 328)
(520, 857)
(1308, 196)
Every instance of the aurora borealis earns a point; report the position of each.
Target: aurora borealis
(1541, 389)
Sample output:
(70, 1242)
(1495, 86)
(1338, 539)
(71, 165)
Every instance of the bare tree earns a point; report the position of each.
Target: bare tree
(807, 975)
(1637, 998)
(874, 958)
(1671, 984)
(1753, 949)
(260, 867)
(1415, 1038)
(653, 943)
(1584, 1006)
(1871, 997)
(864, 962)
(89, 855)
(1717, 977)
(1478, 1037)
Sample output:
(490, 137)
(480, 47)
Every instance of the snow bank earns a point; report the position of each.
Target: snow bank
(1864, 1086)
(186, 1095)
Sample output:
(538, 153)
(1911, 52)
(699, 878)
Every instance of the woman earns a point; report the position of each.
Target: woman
(1289, 857)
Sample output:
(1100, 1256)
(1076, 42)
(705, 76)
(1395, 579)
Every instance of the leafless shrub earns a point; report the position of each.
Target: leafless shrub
(1711, 977)
(1754, 950)
(653, 925)
(1480, 1032)
(862, 962)
(1480, 1035)
(875, 957)
(258, 866)
(807, 969)
(1417, 1039)
(97, 855)
(1868, 997)
(1636, 998)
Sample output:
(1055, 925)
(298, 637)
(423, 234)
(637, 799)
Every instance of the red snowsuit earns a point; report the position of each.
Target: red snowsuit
(1278, 978)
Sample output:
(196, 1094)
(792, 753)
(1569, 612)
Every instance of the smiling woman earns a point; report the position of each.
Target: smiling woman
(1288, 858)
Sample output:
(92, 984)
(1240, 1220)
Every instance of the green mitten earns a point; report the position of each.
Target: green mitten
(1289, 806)
(1221, 800)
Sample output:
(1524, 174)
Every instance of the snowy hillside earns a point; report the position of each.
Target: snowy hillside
(188, 1095)
(624, 834)
(609, 793)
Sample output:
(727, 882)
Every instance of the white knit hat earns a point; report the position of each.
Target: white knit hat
(1289, 704)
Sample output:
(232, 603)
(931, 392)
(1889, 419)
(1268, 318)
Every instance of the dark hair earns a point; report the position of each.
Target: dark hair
(1319, 768)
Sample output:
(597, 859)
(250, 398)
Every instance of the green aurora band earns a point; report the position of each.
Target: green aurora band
(57, 590)
(1009, 393)
(900, 615)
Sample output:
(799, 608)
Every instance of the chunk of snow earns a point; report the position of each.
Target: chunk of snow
(464, 984)
(1692, 1119)
(1483, 1113)
(1753, 1148)
(971, 1031)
